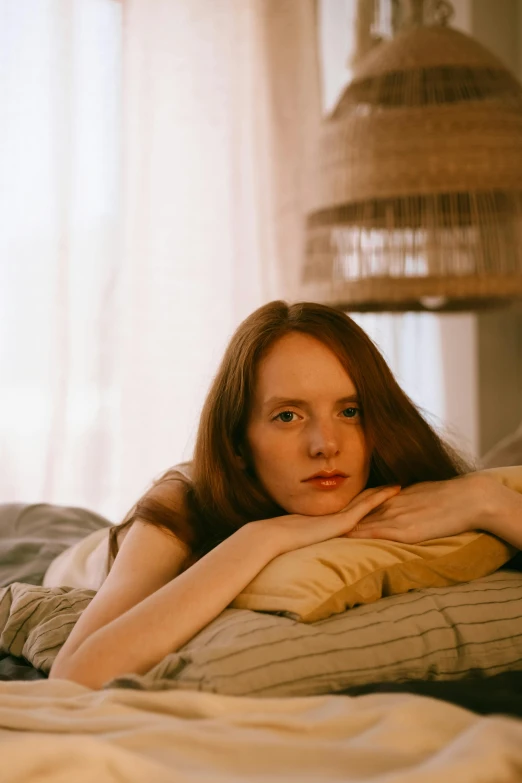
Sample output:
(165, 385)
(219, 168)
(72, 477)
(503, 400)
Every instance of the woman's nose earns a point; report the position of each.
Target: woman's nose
(323, 441)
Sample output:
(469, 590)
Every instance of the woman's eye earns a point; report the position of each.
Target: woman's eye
(351, 413)
(285, 416)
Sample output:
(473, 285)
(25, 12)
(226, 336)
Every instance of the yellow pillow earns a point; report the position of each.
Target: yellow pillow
(317, 581)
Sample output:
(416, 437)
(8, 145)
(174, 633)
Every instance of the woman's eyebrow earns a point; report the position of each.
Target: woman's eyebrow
(274, 401)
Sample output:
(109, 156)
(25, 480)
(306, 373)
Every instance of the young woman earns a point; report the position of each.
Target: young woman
(305, 436)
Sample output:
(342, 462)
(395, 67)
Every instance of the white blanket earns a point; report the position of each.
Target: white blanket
(59, 732)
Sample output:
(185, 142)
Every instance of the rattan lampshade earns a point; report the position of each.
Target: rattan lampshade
(416, 200)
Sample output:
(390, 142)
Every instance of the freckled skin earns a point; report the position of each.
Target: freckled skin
(290, 442)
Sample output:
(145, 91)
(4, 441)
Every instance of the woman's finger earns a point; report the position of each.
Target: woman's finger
(371, 498)
(385, 533)
(360, 506)
(382, 514)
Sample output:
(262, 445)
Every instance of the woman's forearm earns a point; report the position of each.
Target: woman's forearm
(168, 619)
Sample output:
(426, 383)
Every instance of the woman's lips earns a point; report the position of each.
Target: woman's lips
(326, 482)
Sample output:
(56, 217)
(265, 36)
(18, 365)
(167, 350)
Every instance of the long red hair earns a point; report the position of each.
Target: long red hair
(222, 495)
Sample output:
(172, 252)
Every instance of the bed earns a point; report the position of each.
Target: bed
(238, 704)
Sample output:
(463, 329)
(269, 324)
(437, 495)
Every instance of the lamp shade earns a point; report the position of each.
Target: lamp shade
(416, 196)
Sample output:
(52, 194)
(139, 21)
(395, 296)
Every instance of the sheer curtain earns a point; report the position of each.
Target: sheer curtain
(152, 164)
(59, 212)
(219, 99)
(152, 168)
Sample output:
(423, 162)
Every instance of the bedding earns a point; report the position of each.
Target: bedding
(82, 565)
(473, 629)
(161, 727)
(33, 535)
(315, 582)
(500, 694)
(14, 668)
(57, 731)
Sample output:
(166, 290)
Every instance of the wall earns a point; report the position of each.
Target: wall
(498, 25)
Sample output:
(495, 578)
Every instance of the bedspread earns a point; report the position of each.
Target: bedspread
(55, 731)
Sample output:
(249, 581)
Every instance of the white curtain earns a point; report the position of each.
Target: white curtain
(216, 117)
(151, 166)
(59, 211)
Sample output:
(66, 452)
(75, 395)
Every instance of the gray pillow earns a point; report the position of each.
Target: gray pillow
(444, 633)
(441, 633)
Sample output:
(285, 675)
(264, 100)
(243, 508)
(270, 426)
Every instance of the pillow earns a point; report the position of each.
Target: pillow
(509, 476)
(314, 582)
(473, 629)
(434, 633)
(82, 565)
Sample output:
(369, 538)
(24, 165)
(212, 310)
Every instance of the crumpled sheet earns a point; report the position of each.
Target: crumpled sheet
(56, 732)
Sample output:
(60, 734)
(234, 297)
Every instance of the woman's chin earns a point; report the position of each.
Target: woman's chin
(320, 506)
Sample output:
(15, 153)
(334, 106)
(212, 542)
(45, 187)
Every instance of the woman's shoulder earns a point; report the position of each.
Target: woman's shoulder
(169, 488)
(164, 505)
(167, 493)
(184, 469)
(181, 472)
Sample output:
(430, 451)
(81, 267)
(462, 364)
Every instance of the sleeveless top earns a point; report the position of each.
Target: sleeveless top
(85, 563)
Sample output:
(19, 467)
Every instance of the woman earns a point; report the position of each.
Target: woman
(304, 436)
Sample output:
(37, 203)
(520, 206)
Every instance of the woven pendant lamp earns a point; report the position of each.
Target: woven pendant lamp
(416, 200)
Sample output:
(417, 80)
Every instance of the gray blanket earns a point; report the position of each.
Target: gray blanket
(32, 535)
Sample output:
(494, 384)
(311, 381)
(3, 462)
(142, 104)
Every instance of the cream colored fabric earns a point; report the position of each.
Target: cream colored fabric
(82, 565)
(314, 582)
(57, 732)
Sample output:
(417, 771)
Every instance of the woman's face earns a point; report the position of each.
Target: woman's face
(306, 420)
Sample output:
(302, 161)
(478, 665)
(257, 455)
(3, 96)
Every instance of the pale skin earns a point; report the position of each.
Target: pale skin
(325, 432)
(438, 509)
(146, 595)
(306, 418)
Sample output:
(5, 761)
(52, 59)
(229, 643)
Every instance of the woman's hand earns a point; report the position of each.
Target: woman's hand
(295, 531)
(436, 509)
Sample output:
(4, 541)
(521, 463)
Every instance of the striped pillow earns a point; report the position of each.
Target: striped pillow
(442, 633)
(434, 633)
